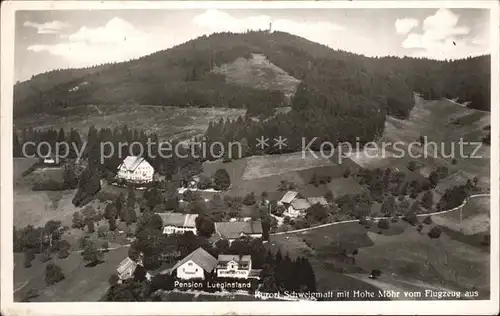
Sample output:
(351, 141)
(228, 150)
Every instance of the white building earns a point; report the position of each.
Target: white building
(195, 265)
(177, 223)
(135, 169)
(126, 269)
(234, 266)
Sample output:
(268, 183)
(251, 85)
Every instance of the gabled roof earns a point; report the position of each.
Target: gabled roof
(234, 230)
(300, 204)
(201, 257)
(125, 265)
(288, 197)
(315, 200)
(132, 162)
(178, 219)
(240, 259)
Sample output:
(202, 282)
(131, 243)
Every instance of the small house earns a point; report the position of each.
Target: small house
(126, 269)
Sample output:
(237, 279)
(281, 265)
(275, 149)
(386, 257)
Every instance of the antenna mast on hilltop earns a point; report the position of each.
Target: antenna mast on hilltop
(270, 27)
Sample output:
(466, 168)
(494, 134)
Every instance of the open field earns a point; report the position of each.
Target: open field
(259, 72)
(409, 260)
(272, 165)
(83, 284)
(444, 123)
(475, 217)
(167, 121)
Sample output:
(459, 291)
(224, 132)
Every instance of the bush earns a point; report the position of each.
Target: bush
(435, 232)
(412, 165)
(383, 224)
(347, 173)
(375, 274)
(63, 253)
(29, 255)
(45, 256)
(427, 220)
(420, 227)
(105, 246)
(29, 295)
(53, 274)
(249, 199)
(411, 218)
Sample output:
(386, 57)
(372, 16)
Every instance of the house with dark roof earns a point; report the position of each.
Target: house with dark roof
(234, 230)
(196, 265)
(236, 266)
(135, 169)
(177, 223)
(296, 203)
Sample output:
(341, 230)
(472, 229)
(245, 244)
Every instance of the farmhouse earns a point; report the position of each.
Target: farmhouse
(235, 266)
(135, 169)
(296, 203)
(195, 265)
(126, 269)
(177, 223)
(234, 230)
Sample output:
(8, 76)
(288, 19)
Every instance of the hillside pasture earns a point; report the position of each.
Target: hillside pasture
(258, 72)
(168, 122)
(272, 165)
(81, 283)
(475, 217)
(345, 186)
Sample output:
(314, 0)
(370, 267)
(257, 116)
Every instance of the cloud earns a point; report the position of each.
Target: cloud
(52, 27)
(220, 21)
(443, 38)
(117, 40)
(403, 26)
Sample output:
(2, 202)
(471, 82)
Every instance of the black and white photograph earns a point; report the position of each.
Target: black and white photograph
(307, 157)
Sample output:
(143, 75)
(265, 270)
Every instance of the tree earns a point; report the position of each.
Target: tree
(389, 206)
(110, 211)
(329, 196)
(105, 246)
(222, 180)
(78, 221)
(91, 253)
(29, 295)
(204, 226)
(119, 204)
(346, 173)
(428, 200)
(427, 220)
(112, 224)
(375, 274)
(435, 232)
(90, 226)
(53, 274)
(249, 199)
(29, 256)
(412, 165)
(433, 178)
(113, 280)
(383, 224)
(63, 251)
(45, 256)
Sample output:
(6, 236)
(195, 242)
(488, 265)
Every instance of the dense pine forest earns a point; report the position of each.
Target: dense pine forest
(341, 95)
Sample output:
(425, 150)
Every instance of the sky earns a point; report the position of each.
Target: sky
(46, 40)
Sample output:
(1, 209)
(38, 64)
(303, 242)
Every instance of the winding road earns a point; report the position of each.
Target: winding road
(379, 218)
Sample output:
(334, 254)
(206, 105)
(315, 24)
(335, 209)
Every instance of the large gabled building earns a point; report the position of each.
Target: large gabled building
(234, 230)
(135, 169)
(196, 265)
(177, 223)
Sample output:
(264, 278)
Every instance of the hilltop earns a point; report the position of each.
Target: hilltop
(207, 71)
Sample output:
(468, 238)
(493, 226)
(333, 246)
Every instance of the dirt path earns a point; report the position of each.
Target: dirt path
(379, 218)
